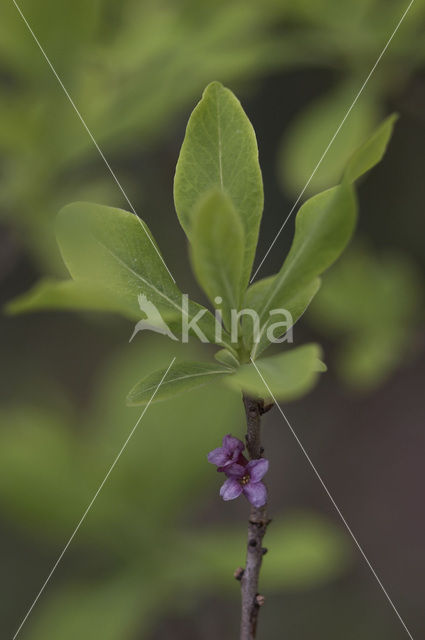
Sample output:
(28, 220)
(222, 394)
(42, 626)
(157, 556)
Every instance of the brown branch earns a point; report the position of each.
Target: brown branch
(257, 526)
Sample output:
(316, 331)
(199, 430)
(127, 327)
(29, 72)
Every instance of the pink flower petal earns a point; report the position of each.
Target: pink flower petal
(233, 446)
(256, 493)
(231, 489)
(257, 469)
(235, 471)
(218, 456)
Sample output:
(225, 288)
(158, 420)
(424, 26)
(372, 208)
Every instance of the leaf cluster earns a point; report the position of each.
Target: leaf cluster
(218, 192)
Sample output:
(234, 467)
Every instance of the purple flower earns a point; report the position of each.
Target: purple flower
(228, 454)
(246, 480)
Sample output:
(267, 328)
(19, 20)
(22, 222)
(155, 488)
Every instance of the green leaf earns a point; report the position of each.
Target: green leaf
(371, 151)
(217, 251)
(255, 293)
(295, 306)
(288, 375)
(182, 376)
(220, 151)
(323, 227)
(227, 358)
(114, 249)
(115, 263)
(51, 294)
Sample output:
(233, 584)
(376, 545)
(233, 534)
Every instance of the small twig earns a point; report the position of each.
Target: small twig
(238, 573)
(266, 407)
(257, 526)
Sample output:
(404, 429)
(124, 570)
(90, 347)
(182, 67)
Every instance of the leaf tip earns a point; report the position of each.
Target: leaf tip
(215, 85)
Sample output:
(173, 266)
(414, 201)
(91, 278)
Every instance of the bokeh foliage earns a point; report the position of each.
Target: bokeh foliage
(132, 68)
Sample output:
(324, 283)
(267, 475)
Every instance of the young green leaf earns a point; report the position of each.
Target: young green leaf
(281, 319)
(255, 293)
(113, 250)
(323, 227)
(182, 376)
(224, 356)
(71, 295)
(217, 251)
(288, 375)
(115, 266)
(371, 151)
(220, 151)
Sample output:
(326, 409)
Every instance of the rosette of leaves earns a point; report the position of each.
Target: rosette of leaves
(218, 194)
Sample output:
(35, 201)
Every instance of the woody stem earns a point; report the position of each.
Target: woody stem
(257, 526)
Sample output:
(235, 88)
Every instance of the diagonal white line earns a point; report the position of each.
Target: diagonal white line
(102, 155)
(332, 139)
(92, 502)
(319, 477)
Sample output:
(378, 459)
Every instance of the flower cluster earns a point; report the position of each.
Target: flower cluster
(242, 476)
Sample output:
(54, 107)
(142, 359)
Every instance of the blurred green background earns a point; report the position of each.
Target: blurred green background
(155, 557)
